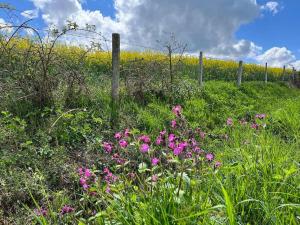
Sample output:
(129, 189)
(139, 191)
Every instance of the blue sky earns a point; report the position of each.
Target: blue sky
(258, 31)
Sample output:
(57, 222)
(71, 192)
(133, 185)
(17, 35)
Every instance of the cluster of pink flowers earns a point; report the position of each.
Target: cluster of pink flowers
(177, 110)
(154, 161)
(109, 178)
(161, 138)
(108, 147)
(255, 125)
(67, 209)
(260, 116)
(41, 212)
(229, 122)
(145, 140)
(86, 178)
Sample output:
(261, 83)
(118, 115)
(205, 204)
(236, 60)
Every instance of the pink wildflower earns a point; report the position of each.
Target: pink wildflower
(154, 161)
(159, 141)
(173, 123)
(80, 171)
(145, 139)
(172, 145)
(123, 143)
(163, 133)
(254, 126)
(144, 148)
(87, 173)
(177, 110)
(202, 134)
(154, 178)
(107, 190)
(229, 122)
(107, 147)
(172, 137)
(126, 132)
(118, 135)
(183, 145)
(218, 164)
(41, 212)
(178, 150)
(209, 157)
(67, 209)
(260, 116)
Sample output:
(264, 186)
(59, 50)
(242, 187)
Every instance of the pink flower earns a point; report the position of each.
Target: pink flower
(254, 126)
(159, 140)
(145, 139)
(197, 150)
(107, 147)
(218, 164)
(82, 181)
(177, 110)
(126, 132)
(107, 190)
(80, 171)
(260, 116)
(209, 157)
(154, 161)
(118, 135)
(131, 175)
(193, 141)
(163, 133)
(178, 150)
(41, 212)
(123, 143)
(229, 122)
(172, 137)
(172, 145)
(154, 178)
(87, 173)
(173, 123)
(106, 170)
(67, 209)
(85, 186)
(144, 148)
(183, 145)
(189, 155)
(202, 134)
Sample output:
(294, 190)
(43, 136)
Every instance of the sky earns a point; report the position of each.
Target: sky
(256, 31)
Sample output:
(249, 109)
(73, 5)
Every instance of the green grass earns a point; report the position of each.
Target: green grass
(258, 182)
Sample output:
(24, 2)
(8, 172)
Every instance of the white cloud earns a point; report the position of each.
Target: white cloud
(4, 28)
(277, 57)
(271, 6)
(30, 14)
(204, 25)
(296, 64)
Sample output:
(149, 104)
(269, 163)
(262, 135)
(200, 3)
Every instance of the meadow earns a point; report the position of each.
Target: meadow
(181, 154)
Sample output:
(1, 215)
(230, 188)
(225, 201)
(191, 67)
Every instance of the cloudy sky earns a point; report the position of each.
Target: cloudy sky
(254, 30)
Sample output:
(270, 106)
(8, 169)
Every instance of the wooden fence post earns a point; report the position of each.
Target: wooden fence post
(201, 69)
(266, 73)
(115, 79)
(283, 73)
(240, 72)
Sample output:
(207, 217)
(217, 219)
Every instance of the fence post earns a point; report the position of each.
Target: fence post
(294, 74)
(283, 73)
(115, 79)
(240, 72)
(201, 69)
(266, 73)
